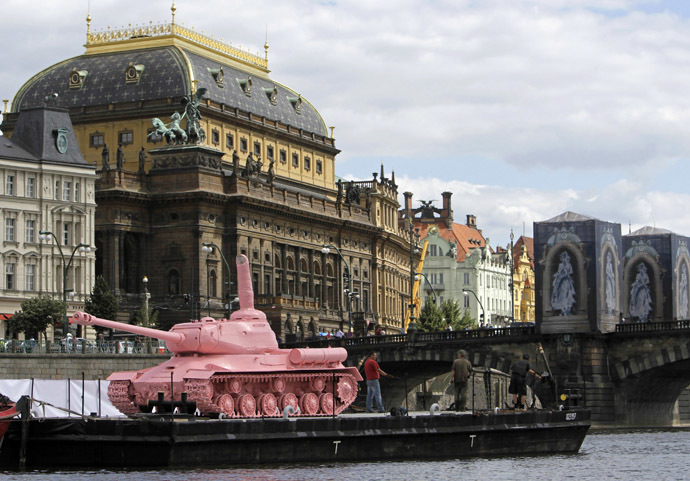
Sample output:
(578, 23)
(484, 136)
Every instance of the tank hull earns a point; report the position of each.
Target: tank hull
(237, 386)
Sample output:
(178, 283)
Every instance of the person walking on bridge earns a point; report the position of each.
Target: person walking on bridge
(373, 372)
(460, 374)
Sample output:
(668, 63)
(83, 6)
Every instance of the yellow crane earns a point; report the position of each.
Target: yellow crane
(416, 302)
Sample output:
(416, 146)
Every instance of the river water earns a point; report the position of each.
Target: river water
(605, 455)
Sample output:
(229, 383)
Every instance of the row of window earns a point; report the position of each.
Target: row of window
(67, 231)
(30, 274)
(30, 191)
(97, 140)
(11, 276)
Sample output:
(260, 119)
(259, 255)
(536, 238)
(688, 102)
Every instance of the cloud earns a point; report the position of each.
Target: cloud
(522, 109)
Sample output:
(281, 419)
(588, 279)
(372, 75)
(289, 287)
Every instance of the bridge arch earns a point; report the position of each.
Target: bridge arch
(650, 382)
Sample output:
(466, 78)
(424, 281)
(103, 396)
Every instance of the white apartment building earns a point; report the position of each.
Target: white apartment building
(45, 186)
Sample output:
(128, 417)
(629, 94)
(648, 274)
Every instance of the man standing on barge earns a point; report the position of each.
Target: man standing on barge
(518, 380)
(373, 373)
(460, 374)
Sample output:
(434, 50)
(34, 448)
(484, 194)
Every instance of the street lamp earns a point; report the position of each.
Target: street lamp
(45, 235)
(145, 280)
(326, 249)
(207, 248)
(465, 291)
(427, 281)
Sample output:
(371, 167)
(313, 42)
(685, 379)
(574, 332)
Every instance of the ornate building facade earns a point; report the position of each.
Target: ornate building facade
(46, 187)
(523, 279)
(254, 174)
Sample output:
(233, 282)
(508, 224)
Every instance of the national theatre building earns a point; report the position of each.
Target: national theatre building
(201, 156)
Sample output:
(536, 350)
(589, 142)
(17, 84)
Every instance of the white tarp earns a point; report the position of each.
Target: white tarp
(62, 394)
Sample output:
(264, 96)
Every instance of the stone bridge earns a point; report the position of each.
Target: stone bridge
(633, 376)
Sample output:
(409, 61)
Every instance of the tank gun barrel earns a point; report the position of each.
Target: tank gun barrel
(85, 319)
(244, 283)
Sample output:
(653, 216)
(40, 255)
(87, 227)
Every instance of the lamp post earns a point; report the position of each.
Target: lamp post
(512, 278)
(326, 249)
(145, 280)
(465, 291)
(207, 248)
(45, 235)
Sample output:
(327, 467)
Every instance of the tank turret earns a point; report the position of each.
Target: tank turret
(234, 367)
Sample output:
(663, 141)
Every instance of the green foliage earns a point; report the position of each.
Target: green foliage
(430, 318)
(36, 315)
(145, 319)
(102, 302)
(436, 318)
(455, 315)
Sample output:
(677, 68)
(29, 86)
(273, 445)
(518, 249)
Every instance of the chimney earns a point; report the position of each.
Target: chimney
(471, 221)
(447, 212)
(408, 204)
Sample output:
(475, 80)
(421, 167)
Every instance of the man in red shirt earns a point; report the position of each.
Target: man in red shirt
(372, 373)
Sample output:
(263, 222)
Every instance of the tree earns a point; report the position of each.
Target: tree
(36, 315)
(455, 315)
(102, 302)
(430, 318)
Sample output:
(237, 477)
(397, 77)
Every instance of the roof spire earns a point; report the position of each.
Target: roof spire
(266, 46)
(172, 9)
(88, 22)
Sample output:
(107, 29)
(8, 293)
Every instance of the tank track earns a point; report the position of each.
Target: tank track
(248, 395)
(267, 395)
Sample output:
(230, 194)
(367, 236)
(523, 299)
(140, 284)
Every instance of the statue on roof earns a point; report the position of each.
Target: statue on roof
(352, 193)
(120, 158)
(252, 167)
(195, 133)
(105, 154)
(173, 134)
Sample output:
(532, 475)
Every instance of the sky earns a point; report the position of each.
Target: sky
(523, 109)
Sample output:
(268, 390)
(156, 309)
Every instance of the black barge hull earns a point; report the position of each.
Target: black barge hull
(159, 442)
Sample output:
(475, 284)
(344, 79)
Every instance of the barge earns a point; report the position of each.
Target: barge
(177, 441)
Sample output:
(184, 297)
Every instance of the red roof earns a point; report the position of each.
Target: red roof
(467, 238)
(528, 242)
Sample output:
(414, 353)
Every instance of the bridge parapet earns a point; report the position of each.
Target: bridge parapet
(661, 326)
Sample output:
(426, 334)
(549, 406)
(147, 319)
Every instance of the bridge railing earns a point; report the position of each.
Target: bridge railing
(660, 326)
(417, 337)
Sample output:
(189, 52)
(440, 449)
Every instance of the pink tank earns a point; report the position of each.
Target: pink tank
(234, 367)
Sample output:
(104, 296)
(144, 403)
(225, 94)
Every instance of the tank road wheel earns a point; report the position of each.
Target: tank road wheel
(286, 400)
(227, 404)
(233, 386)
(326, 403)
(309, 404)
(268, 405)
(347, 389)
(246, 406)
(278, 384)
(318, 384)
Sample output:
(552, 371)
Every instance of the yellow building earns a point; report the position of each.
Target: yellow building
(523, 279)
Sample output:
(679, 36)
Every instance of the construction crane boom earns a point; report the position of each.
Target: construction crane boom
(416, 301)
